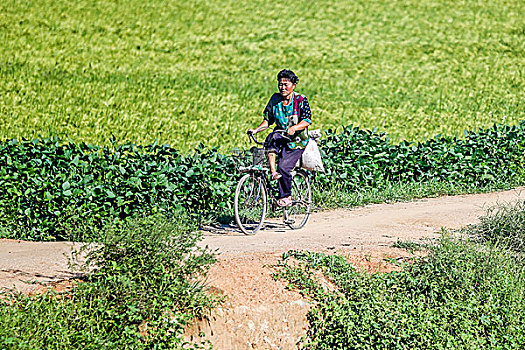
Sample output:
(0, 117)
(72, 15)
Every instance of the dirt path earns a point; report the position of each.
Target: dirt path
(365, 228)
(260, 313)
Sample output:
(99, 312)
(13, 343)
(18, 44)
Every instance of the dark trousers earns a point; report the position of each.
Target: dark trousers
(276, 143)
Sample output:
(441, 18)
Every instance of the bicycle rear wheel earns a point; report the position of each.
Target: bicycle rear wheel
(296, 215)
(250, 203)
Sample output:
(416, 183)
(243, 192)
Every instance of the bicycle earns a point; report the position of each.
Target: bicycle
(252, 193)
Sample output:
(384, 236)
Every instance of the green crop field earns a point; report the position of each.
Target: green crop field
(186, 72)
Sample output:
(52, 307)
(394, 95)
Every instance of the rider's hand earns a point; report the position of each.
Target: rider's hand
(251, 131)
(291, 130)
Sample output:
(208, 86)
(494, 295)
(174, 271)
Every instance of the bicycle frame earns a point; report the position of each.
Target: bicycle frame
(270, 189)
(261, 194)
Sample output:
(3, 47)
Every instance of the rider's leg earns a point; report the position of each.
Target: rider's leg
(271, 160)
(289, 158)
(273, 144)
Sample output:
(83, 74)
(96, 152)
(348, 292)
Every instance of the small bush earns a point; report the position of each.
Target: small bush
(505, 225)
(146, 284)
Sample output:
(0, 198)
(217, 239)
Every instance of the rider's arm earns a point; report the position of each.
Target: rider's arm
(261, 127)
(303, 124)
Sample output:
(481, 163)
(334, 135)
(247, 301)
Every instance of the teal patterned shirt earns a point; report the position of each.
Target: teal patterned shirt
(286, 116)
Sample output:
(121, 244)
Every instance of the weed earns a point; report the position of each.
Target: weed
(409, 246)
(461, 296)
(147, 282)
(504, 225)
(465, 294)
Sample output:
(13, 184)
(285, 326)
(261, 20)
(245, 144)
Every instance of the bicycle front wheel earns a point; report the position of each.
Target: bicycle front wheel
(296, 215)
(250, 203)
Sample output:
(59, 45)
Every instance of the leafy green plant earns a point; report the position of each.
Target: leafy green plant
(146, 282)
(58, 190)
(63, 190)
(461, 296)
(358, 158)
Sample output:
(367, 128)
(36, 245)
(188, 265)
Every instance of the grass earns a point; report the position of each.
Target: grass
(193, 71)
(337, 197)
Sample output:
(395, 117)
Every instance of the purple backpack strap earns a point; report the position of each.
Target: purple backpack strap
(298, 100)
(296, 104)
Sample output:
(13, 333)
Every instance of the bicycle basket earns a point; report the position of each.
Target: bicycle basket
(258, 156)
(249, 159)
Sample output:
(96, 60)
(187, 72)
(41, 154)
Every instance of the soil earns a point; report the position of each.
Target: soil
(259, 312)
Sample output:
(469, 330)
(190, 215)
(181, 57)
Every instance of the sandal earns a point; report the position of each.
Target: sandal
(284, 202)
(276, 176)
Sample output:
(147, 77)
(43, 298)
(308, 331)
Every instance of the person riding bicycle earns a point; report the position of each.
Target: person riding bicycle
(291, 114)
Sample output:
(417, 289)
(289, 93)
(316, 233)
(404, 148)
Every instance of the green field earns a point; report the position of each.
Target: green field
(201, 71)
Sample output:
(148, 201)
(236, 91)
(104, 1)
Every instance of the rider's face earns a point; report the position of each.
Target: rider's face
(285, 87)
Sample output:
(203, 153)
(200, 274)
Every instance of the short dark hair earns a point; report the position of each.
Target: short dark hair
(288, 74)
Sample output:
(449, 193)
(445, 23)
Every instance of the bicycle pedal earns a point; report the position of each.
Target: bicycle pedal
(275, 206)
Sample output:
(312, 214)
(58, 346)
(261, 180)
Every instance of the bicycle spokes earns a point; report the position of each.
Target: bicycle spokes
(250, 203)
(298, 212)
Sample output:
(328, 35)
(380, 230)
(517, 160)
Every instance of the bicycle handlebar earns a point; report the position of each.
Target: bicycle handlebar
(251, 136)
(282, 132)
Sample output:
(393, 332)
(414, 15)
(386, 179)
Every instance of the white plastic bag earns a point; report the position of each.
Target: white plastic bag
(311, 158)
